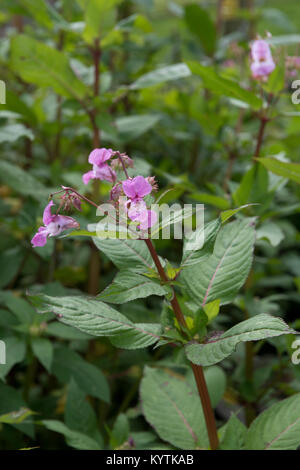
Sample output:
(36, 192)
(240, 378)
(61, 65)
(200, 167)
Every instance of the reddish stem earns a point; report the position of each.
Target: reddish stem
(197, 370)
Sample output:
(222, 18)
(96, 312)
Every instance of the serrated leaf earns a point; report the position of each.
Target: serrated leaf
(45, 66)
(99, 319)
(277, 428)
(221, 275)
(259, 327)
(161, 75)
(128, 286)
(126, 254)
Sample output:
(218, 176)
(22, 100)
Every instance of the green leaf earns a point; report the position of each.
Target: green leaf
(100, 17)
(287, 170)
(22, 181)
(39, 11)
(271, 232)
(43, 349)
(44, 66)
(161, 75)
(201, 25)
(173, 408)
(67, 364)
(16, 417)
(128, 286)
(126, 254)
(74, 439)
(211, 199)
(258, 327)
(132, 127)
(191, 253)
(13, 132)
(10, 261)
(120, 431)
(212, 309)
(277, 428)
(232, 435)
(79, 414)
(10, 401)
(98, 319)
(222, 274)
(223, 86)
(225, 215)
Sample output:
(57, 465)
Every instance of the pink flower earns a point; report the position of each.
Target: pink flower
(262, 60)
(136, 189)
(53, 225)
(101, 170)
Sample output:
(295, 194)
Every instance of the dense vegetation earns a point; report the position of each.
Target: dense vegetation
(140, 343)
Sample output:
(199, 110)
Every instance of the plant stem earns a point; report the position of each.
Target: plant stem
(197, 370)
(263, 122)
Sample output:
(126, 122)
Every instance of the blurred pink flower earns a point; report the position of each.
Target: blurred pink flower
(101, 170)
(53, 225)
(262, 60)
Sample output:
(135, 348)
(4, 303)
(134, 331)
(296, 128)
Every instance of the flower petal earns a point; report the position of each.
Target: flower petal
(40, 238)
(88, 176)
(98, 156)
(47, 216)
(149, 221)
(104, 172)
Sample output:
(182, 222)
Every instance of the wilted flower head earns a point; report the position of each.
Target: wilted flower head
(101, 170)
(116, 164)
(262, 61)
(53, 225)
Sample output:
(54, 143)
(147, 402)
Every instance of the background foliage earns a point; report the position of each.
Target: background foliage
(168, 82)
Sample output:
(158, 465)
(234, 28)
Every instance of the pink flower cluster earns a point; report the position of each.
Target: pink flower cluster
(134, 188)
(262, 61)
(53, 225)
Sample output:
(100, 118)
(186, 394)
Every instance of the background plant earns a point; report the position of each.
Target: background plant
(148, 80)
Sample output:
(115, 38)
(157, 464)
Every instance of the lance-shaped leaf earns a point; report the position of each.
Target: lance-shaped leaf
(164, 74)
(98, 319)
(45, 66)
(222, 274)
(223, 86)
(128, 286)
(259, 327)
(126, 254)
(287, 170)
(172, 406)
(277, 428)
